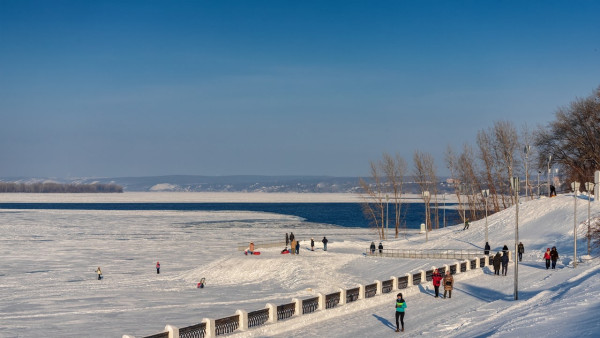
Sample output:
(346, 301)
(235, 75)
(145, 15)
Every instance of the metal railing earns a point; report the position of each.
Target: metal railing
(286, 311)
(258, 318)
(332, 300)
(370, 290)
(428, 253)
(352, 295)
(387, 286)
(193, 331)
(310, 305)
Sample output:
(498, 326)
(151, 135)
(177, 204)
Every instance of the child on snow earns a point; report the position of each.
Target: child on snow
(400, 307)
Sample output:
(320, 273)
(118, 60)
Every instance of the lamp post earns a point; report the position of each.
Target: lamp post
(514, 183)
(426, 197)
(539, 172)
(462, 189)
(444, 209)
(575, 187)
(485, 193)
(549, 159)
(589, 186)
(387, 214)
(526, 151)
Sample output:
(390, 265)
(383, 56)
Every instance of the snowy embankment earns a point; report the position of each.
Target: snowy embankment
(48, 286)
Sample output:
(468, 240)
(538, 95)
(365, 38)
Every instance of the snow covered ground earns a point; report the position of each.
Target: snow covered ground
(48, 286)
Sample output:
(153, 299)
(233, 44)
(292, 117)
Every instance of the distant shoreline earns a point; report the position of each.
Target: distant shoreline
(199, 197)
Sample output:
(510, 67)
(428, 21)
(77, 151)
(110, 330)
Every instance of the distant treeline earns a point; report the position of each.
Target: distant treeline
(59, 187)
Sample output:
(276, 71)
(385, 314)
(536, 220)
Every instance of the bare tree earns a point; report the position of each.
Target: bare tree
(374, 200)
(394, 169)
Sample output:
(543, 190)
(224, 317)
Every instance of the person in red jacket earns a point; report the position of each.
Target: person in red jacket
(547, 258)
(157, 268)
(437, 279)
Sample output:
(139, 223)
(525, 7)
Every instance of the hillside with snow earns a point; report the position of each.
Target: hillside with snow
(49, 287)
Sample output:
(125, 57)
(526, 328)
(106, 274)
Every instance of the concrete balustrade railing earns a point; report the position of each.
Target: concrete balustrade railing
(243, 320)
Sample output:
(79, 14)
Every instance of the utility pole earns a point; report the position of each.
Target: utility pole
(575, 187)
(515, 185)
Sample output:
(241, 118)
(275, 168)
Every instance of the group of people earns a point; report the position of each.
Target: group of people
(295, 244)
(551, 255)
(372, 248)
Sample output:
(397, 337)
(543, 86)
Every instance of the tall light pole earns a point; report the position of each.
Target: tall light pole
(485, 193)
(387, 214)
(539, 172)
(589, 186)
(514, 183)
(549, 159)
(444, 209)
(575, 187)
(426, 197)
(461, 189)
(526, 151)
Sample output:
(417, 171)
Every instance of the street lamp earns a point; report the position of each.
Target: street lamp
(539, 172)
(514, 184)
(549, 159)
(526, 151)
(485, 193)
(444, 209)
(426, 197)
(387, 214)
(589, 186)
(461, 189)
(575, 187)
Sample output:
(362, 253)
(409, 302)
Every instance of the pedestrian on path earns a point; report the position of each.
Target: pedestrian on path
(293, 247)
(372, 247)
(380, 248)
(99, 272)
(504, 263)
(324, 243)
(437, 280)
(554, 257)
(547, 258)
(521, 250)
(448, 284)
(466, 224)
(486, 249)
(312, 244)
(400, 307)
(157, 267)
(496, 262)
(287, 239)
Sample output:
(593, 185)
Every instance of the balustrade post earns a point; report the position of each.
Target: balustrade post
(477, 262)
(486, 260)
(342, 296)
(409, 282)
(211, 328)
(361, 291)
(510, 256)
(457, 267)
(322, 300)
(468, 265)
(394, 283)
(243, 326)
(272, 312)
(298, 307)
(379, 286)
(423, 277)
(446, 268)
(173, 331)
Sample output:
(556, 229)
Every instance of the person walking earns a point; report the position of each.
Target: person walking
(293, 246)
(554, 257)
(496, 262)
(297, 247)
(448, 284)
(99, 272)
(157, 267)
(380, 248)
(547, 258)
(372, 247)
(400, 308)
(521, 250)
(312, 244)
(504, 249)
(437, 280)
(324, 243)
(291, 236)
(287, 240)
(504, 263)
(486, 249)
(466, 224)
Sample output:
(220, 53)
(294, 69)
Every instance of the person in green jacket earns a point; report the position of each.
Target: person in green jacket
(400, 306)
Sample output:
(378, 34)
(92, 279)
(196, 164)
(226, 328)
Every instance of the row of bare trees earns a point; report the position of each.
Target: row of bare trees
(482, 173)
(51, 187)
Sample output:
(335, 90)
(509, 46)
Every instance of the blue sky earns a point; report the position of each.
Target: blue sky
(137, 88)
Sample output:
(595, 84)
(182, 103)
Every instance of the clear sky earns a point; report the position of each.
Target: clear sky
(137, 88)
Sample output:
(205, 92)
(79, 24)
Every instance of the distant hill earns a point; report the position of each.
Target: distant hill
(234, 183)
